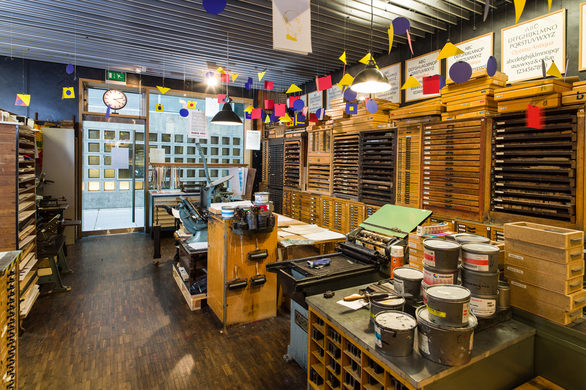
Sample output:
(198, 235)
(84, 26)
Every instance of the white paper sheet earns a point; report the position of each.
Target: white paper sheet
(324, 236)
(354, 305)
(120, 158)
(252, 140)
(304, 229)
(212, 106)
(281, 233)
(198, 245)
(198, 124)
(217, 207)
(283, 221)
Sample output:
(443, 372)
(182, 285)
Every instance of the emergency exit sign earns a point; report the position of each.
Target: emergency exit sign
(119, 77)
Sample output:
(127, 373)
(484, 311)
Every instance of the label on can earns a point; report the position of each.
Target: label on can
(432, 278)
(483, 307)
(465, 312)
(475, 262)
(399, 286)
(377, 337)
(423, 343)
(429, 257)
(436, 313)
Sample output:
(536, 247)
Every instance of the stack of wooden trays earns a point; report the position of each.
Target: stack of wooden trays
(408, 166)
(576, 96)
(415, 244)
(346, 160)
(540, 93)
(545, 267)
(362, 120)
(430, 107)
(473, 98)
(294, 160)
(319, 159)
(377, 166)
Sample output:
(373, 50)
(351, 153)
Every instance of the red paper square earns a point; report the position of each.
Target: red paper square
(324, 83)
(431, 84)
(313, 118)
(292, 100)
(221, 97)
(534, 117)
(268, 84)
(225, 77)
(256, 113)
(280, 110)
(269, 104)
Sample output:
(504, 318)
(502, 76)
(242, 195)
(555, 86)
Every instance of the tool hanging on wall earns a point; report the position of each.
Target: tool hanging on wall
(237, 283)
(257, 279)
(258, 254)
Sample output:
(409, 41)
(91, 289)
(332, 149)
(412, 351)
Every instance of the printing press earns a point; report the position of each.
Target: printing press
(363, 258)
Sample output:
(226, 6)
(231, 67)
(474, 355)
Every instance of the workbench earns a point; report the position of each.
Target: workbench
(502, 357)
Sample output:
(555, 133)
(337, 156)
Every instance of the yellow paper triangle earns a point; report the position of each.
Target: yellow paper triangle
(163, 90)
(191, 104)
(548, 5)
(343, 58)
(553, 71)
(391, 33)
(285, 118)
(261, 75)
(347, 79)
(449, 50)
(366, 58)
(519, 5)
(26, 99)
(268, 119)
(220, 70)
(249, 109)
(411, 83)
(234, 76)
(293, 88)
(68, 93)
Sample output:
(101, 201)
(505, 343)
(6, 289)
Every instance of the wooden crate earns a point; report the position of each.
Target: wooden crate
(346, 165)
(193, 301)
(377, 166)
(408, 188)
(544, 235)
(473, 228)
(319, 160)
(539, 383)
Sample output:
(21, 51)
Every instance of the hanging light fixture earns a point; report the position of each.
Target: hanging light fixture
(226, 116)
(370, 79)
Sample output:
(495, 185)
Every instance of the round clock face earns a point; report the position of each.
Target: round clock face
(114, 98)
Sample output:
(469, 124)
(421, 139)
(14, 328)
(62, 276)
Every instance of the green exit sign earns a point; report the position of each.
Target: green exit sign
(116, 76)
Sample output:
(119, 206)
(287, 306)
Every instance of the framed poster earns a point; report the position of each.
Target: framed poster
(419, 67)
(333, 93)
(582, 57)
(393, 73)
(476, 52)
(524, 45)
(315, 100)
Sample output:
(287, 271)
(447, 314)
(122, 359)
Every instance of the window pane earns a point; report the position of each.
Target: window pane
(93, 173)
(215, 139)
(109, 134)
(190, 160)
(93, 160)
(225, 151)
(190, 172)
(178, 160)
(179, 138)
(124, 174)
(225, 140)
(108, 148)
(124, 185)
(178, 149)
(139, 136)
(225, 161)
(109, 185)
(191, 150)
(109, 173)
(93, 147)
(139, 185)
(235, 141)
(93, 134)
(107, 160)
(93, 186)
(153, 137)
(236, 152)
(125, 135)
(203, 141)
(167, 149)
(214, 151)
(165, 137)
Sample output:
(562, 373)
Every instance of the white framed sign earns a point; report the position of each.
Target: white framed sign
(393, 73)
(476, 52)
(315, 101)
(525, 45)
(420, 67)
(582, 57)
(333, 93)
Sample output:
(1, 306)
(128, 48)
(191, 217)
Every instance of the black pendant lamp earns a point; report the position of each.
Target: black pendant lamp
(226, 116)
(370, 79)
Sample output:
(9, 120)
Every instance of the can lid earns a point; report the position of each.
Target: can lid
(395, 320)
(408, 273)
(397, 250)
(448, 292)
(441, 244)
(391, 301)
(464, 238)
(482, 248)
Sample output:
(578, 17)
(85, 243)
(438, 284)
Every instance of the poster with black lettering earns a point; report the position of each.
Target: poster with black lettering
(419, 67)
(582, 37)
(476, 52)
(333, 93)
(315, 101)
(393, 73)
(524, 45)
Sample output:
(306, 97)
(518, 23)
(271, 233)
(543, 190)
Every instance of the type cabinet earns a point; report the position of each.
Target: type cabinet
(9, 309)
(377, 166)
(319, 160)
(408, 188)
(346, 165)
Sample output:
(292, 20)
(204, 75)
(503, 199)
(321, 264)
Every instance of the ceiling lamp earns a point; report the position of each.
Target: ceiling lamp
(226, 116)
(370, 80)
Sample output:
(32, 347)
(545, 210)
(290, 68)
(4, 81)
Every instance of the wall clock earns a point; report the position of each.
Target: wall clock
(115, 98)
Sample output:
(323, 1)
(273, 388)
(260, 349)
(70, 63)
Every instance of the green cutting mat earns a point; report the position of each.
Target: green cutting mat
(394, 220)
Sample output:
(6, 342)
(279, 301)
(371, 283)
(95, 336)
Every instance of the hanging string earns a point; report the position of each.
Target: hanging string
(371, 24)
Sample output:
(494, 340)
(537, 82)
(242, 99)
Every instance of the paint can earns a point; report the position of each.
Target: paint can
(407, 280)
(441, 254)
(227, 212)
(393, 303)
(261, 198)
(467, 238)
(442, 344)
(448, 305)
(394, 332)
(432, 276)
(483, 306)
(480, 283)
(480, 257)
(504, 295)
(424, 287)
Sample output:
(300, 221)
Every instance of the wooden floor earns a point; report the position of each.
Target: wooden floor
(124, 325)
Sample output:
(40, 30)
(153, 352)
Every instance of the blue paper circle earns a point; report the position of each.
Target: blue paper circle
(214, 6)
(401, 25)
(371, 106)
(184, 112)
(69, 69)
(298, 105)
(349, 94)
(491, 66)
(442, 81)
(320, 113)
(460, 72)
(68, 92)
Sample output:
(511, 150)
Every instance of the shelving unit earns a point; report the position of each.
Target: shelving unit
(345, 165)
(319, 160)
(377, 166)
(294, 161)
(9, 309)
(408, 166)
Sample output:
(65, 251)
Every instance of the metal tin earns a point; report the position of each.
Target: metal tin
(504, 295)
(480, 257)
(432, 276)
(407, 280)
(441, 254)
(483, 306)
(261, 197)
(397, 304)
(480, 283)
(467, 238)
(448, 305)
(394, 332)
(227, 212)
(444, 345)
(424, 287)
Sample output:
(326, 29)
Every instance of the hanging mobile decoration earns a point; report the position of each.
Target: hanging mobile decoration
(491, 66)
(460, 72)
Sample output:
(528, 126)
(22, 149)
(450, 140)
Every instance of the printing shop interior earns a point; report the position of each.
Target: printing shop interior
(292, 194)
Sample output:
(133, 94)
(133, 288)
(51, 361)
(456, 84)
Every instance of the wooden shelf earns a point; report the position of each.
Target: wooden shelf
(318, 356)
(350, 371)
(24, 273)
(379, 377)
(26, 178)
(29, 301)
(25, 189)
(27, 240)
(25, 260)
(25, 205)
(23, 216)
(24, 197)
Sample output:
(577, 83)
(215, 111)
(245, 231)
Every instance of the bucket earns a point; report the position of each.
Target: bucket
(261, 198)
(467, 238)
(480, 257)
(444, 345)
(483, 306)
(407, 280)
(394, 332)
(448, 305)
(441, 254)
(424, 287)
(504, 295)
(432, 276)
(227, 212)
(396, 303)
(480, 283)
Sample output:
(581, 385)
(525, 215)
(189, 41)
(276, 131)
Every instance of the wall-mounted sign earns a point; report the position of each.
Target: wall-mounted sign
(420, 67)
(393, 73)
(333, 93)
(525, 45)
(315, 100)
(582, 57)
(115, 77)
(476, 52)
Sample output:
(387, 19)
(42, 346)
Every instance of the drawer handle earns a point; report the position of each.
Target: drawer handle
(576, 270)
(576, 255)
(580, 300)
(575, 284)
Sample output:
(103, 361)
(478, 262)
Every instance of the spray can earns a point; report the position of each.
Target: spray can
(396, 257)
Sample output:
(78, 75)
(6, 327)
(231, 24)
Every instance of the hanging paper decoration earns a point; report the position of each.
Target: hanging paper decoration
(519, 5)
(293, 88)
(184, 112)
(299, 118)
(108, 111)
(543, 69)
(268, 84)
(364, 60)
(401, 25)
(285, 118)
(320, 113)
(554, 71)
(409, 40)
(431, 84)
(220, 70)
(371, 106)
(280, 110)
(261, 75)
(248, 115)
(298, 105)
(68, 93)
(349, 95)
(305, 110)
(442, 81)
(491, 66)
(486, 9)
(548, 5)
(160, 108)
(69, 69)
(347, 79)
(343, 58)
(214, 7)
(234, 76)
(411, 83)
(225, 77)
(292, 26)
(534, 117)
(313, 118)
(291, 100)
(460, 72)
(274, 118)
(191, 104)
(391, 34)
(163, 90)
(256, 113)
(449, 50)
(22, 100)
(269, 104)
(351, 108)
(249, 109)
(268, 119)
(324, 83)
(221, 97)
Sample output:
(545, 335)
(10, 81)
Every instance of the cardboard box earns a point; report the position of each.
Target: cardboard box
(546, 281)
(528, 293)
(547, 253)
(545, 235)
(545, 310)
(557, 270)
